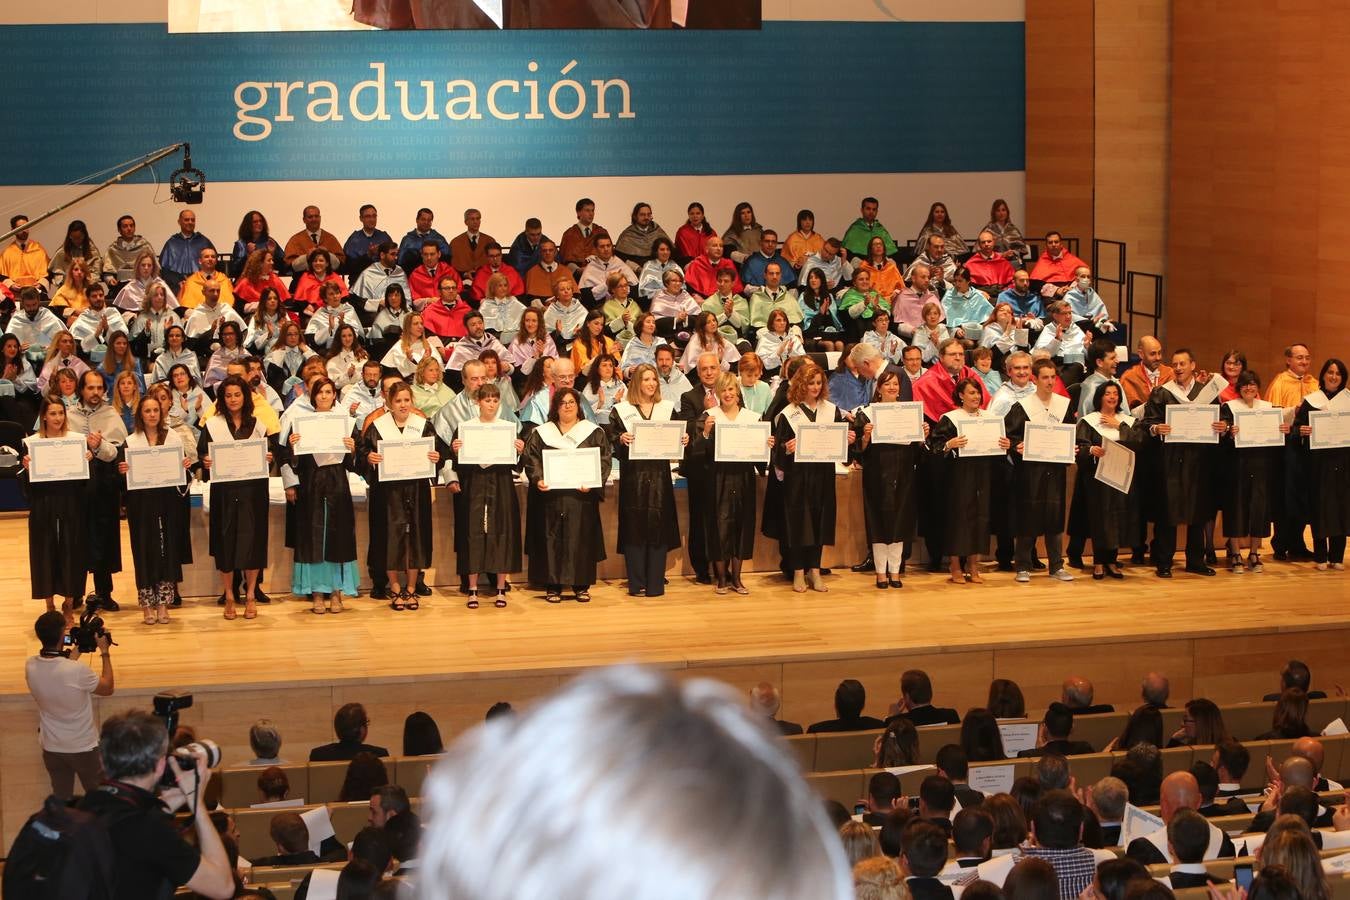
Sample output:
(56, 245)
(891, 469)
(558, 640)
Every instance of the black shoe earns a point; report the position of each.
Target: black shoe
(1038, 565)
(1005, 567)
(864, 566)
(1165, 573)
(1200, 570)
(220, 601)
(896, 582)
(1098, 576)
(93, 598)
(702, 579)
(177, 600)
(1301, 554)
(1115, 573)
(379, 593)
(825, 571)
(422, 589)
(1076, 562)
(1211, 558)
(1138, 559)
(109, 604)
(260, 597)
(1282, 555)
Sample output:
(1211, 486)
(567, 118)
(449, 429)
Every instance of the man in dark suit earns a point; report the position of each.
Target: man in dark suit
(1056, 726)
(289, 832)
(1210, 803)
(1076, 694)
(916, 702)
(937, 798)
(693, 403)
(765, 700)
(953, 763)
(1294, 785)
(1295, 674)
(351, 724)
(883, 798)
(1106, 800)
(1311, 749)
(849, 699)
(923, 853)
(1179, 791)
(1187, 839)
(972, 830)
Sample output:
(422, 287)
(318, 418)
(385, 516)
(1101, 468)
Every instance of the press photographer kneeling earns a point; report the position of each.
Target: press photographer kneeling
(152, 859)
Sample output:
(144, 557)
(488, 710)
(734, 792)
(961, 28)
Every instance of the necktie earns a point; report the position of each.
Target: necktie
(586, 232)
(473, 242)
(315, 239)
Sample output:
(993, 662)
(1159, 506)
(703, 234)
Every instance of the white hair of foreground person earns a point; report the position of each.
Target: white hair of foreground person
(626, 785)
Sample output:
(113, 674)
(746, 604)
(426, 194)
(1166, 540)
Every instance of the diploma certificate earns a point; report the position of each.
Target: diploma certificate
(1192, 423)
(1258, 428)
(567, 470)
(322, 433)
(155, 467)
(741, 442)
(406, 460)
(487, 443)
(1049, 443)
(238, 460)
(58, 459)
(1330, 429)
(896, 423)
(657, 440)
(1116, 468)
(983, 435)
(822, 442)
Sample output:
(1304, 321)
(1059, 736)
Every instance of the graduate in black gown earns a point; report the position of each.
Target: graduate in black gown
(807, 488)
(56, 520)
(1111, 518)
(1039, 489)
(565, 542)
(238, 508)
(407, 502)
(648, 526)
(729, 507)
(1248, 488)
(489, 539)
(890, 474)
(325, 521)
(968, 484)
(1328, 473)
(160, 545)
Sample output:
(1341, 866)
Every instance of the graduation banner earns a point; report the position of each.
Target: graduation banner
(793, 97)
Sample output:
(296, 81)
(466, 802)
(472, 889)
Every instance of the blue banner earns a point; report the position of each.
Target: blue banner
(817, 97)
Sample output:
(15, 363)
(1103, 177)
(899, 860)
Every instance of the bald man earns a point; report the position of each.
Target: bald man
(1311, 749)
(1150, 372)
(1294, 772)
(1076, 693)
(765, 700)
(1179, 791)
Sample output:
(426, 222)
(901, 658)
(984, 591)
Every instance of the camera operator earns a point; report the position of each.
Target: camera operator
(63, 687)
(152, 859)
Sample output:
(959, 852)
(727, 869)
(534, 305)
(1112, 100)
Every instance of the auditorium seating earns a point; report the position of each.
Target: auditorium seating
(318, 782)
(253, 824)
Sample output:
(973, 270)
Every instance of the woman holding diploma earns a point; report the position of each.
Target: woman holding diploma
(890, 474)
(325, 525)
(1328, 474)
(808, 502)
(966, 523)
(648, 525)
(1112, 517)
(56, 522)
(238, 508)
(491, 540)
(407, 502)
(564, 541)
(1246, 496)
(160, 543)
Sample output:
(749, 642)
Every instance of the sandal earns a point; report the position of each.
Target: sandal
(230, 613)
(553, 598)
(162, 617)
(396, 601)
(974, 578)
(500, 601)
(410, 600)
(584, 596)
(148, 615)
(250, 608)
(336, 605)
(473, 600)
(318, 607)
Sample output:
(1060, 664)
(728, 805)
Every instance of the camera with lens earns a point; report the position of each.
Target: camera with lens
(85, 635)
(167, 705)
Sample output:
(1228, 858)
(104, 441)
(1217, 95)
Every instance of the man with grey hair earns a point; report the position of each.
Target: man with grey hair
(869, 363)
(265, 739)
(509, 788)
(697, 472)
(1107, 799)
(1076, 693)
(1154, 690)
(765, 700)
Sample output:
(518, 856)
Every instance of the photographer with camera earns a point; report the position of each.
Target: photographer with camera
(63, 688)
(151, 858)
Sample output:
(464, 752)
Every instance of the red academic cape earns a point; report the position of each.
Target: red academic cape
(513, 281)
(996, 272)
(445, 322)
(423, 284)
(1055, 271)
(700, 276)
(935, 386)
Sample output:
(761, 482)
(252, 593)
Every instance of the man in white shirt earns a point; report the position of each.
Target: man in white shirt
(95, 326)
(34, 324)
(598, 269)
(1065, 341)
(371, 284)
(472, 345)
(673, 382)
(62, 688)
(203, 323)
(364, 397)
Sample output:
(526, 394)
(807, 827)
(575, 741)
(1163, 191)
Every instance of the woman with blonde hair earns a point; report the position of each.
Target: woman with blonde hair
(126, 396)
(413, 346)
(60, 355)
(132, 295)
(430, 392)
(1289, 845)
(860, 842)
(879, 878)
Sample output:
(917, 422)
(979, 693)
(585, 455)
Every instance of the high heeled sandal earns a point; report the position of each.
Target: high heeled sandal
(501, 600)
(410, 601)
(472, 602)
(396, 599)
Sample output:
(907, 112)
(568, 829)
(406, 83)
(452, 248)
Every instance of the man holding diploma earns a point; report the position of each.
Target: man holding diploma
(1038, 488)
(1186, 496)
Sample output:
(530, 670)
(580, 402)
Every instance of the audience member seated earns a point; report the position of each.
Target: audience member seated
(1311, 749)
(909, 304)
(351, 726)
(1057, 825)
(989, 269)
(898, 745)
(421, 736)
(424, 280)
(273, 788)
(1065, 342)
(937, 798)
(1077, 694)
(1144, 726)
(701, 273)
(411, 244)
(1202, 725)
(541, 280)
(373, 283)
(849, 699)
(469, 249)
(923, 853)
(1056, 266)
(190, 292)
(1295, 674)
(753, 269)
(634, 243)
(952, 763)
(578, 242)
(265, 740)
(119, 261)
(33, 324)
(692, 236)
(771, 295)
(935, 252)
(804, 241)
(366, 774)
(866, 227)
(1294, 774)
(859, 303)
(304, 242)
(831, 262)
(1208, 779)
(972, 831)
(939, 224)
(743, 234)
(1026, 304)
(1288, 721)
(886, 277)
(364, 246)
(1089, 310)
(178, 257)
(1155, 690)
(1179, 791)
(131, 297)
(916, 701)
(291, 837)
(564, 316)
(860, 842)
(258, 276)
(1106, 800)
(370, 846)
(404, 832)
(593, 281)
(525, 249)
(1056, 726)
(493, 265)
(309, 287)
(76, 245)
(1290, 865)
(765, 700)
(883, 798)
(1187, 839)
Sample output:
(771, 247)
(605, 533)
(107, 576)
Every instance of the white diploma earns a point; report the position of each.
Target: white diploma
(322, 433)
(982, 434)
(741, 442)
(1330, 429)
(822, 442)
(1258, 428)
(657, 440)
(896, 423)
(238, 460)
(1191, 423)
(58, 459)
(1116, 468)
(155, 467)
(1018, 736)
(992, 779)
(1049, 443)
(567, 470)
(487, 443)
(406, 460)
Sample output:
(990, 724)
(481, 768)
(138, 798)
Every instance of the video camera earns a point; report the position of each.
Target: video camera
(85, 635)
(167, 705)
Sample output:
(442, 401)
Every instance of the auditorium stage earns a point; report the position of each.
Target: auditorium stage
(1223, 637)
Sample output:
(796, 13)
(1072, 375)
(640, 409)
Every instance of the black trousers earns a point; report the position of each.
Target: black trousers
(1328, 549)
(1026, 552)
(646, 566)
(698, 544)
(803, 557)
(1165, 544)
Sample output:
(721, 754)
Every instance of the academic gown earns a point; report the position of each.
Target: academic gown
(807, 489)
(324, 520)
(564, 541)
(646, 494)
(729, 493)
(890, 474)
(489, 535)
(56, 535)
(1328, 475)
(1111, 519)
(407, 504)
(238, 518)
(966, 522)
(1038, 488)
(1247, 495)
(160, 541)
(1187, 488)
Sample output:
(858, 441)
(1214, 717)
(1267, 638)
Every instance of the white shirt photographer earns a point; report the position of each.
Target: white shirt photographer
(63, 689)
